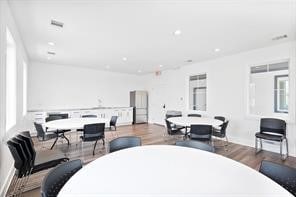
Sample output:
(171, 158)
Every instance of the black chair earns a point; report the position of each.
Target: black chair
(221, 133)
(201, 132)
(173, 131)
(54, 181)
(196, 144)
(94, 132)
(113, 122)
(89, 116)
(123, 143)
(25, 161)
(193, 115)
(44, 136)
(281, 174)
(272, 129)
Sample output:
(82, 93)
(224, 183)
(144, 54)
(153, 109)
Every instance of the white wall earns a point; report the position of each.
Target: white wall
(227, 90)
(63, 87)
(6, 161)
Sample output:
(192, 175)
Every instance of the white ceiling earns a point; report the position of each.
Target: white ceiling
(100, 33)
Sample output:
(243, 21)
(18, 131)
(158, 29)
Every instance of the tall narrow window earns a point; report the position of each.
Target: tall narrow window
(25, 88)
(198, 92)
(10, 81)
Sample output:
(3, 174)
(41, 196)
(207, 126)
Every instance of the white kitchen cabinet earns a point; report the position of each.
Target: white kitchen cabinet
(125, 115)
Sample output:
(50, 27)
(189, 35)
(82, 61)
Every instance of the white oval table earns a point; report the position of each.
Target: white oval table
(73, 123)
(163, 170)
(187, 121)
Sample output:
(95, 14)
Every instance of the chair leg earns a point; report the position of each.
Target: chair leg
(281, 149)
(55, 141)
(256, 145)
(287, 147)
(63, 136)
(103, 141)
(95, 147)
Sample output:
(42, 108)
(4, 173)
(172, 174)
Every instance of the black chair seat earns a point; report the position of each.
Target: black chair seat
(89, 139)
(218, 133)
(272, 137)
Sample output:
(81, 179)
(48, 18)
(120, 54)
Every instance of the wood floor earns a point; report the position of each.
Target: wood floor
(150, 134)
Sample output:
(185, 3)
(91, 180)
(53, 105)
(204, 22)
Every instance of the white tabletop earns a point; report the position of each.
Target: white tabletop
(163, 170)
(73, 123)
(187, 121)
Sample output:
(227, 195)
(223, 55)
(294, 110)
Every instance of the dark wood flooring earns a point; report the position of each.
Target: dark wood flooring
(150, 134)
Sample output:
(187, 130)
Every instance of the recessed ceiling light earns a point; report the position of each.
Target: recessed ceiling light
(217, 50)
(139, 71)
(108, 67)
(124, 59)
(160, 66)
(48, 58)
(177, 32)
(50, 43)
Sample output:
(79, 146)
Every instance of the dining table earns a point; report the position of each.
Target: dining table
(168, 171)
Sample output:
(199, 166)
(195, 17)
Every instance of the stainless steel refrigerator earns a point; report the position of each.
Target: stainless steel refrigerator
(139, 102)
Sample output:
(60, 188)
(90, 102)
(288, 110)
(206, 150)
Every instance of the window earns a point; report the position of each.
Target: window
(10, 81)
(281, 83)
(269, 89)
(198, 92)
(25, 88)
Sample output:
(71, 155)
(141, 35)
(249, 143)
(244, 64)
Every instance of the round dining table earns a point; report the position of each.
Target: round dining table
(73, 123)
(167, 170)
(187, 121)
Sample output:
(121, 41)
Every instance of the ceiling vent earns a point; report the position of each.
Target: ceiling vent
(280, 37)
(51, 53)
(57, 23)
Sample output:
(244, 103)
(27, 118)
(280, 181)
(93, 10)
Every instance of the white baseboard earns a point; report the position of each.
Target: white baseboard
(7, 181)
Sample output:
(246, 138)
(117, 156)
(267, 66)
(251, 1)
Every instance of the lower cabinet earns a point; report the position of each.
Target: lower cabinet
(125, 116)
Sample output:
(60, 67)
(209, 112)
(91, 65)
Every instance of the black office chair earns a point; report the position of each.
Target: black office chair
(94, 132)
(221, 133)
(113, 122)
(196, 144)
(123, 143)
(193, 115)
(173, 131)
(201, 133)
(54, 181)
(272, 129)
(281, 174)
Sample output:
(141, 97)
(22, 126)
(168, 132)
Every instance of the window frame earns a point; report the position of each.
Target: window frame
(194, 95)
(276, 95)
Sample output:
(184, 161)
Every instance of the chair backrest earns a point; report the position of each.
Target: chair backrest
(196, 144)
(273, 125)
(53, 117)
(40, 130)
(168, 126)
(18, 152)
(29, 143)
(113, 120)
(193, 115)
(123, 143)
(89, 116)
(222, 118)
(58, 177)
(26, 150)
(94, 130)
(223, 127)
(201, 132)
(18, 161)
(281, 174)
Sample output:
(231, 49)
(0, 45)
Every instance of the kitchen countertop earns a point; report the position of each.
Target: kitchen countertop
(74, 109)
